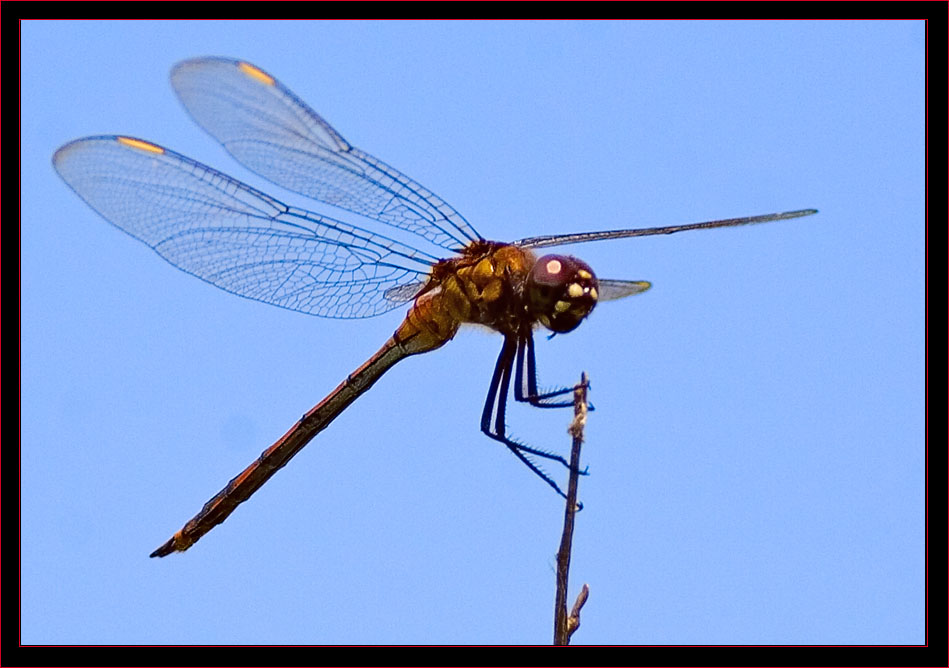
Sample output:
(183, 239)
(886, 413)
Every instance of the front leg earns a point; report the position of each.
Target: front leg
(492, 418)
(525, 382)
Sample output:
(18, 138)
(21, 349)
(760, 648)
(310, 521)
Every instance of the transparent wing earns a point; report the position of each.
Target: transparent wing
(235, 237)
(610, 289)
(272, 132)
(406, 292)
(584, 237)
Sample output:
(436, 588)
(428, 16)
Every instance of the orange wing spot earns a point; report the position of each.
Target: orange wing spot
(140, 145)
(256, 73)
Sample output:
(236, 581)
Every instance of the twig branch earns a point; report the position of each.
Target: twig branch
(564, 626)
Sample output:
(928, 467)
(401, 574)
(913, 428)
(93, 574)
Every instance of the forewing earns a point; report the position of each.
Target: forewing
(272, 132)
(235, 237)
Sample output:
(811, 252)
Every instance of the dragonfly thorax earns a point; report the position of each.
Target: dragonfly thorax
(561, 292)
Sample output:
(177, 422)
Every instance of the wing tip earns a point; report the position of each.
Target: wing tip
(802, 212)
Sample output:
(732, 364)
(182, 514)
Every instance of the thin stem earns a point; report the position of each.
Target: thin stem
(565, 625)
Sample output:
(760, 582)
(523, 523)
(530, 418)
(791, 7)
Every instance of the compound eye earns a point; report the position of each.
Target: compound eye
(562, 291)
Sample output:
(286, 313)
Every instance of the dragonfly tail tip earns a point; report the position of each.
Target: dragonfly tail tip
(165, 549)
(173, 544)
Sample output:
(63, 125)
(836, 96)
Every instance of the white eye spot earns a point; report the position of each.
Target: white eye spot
(584, 274)
(561, 306)
(575, 290)
(553, 267)
(593, 294)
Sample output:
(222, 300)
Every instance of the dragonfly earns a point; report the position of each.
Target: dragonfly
(244, 241)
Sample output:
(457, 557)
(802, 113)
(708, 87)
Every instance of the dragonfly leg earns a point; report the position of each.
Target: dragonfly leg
(492, 418)
(525, 381)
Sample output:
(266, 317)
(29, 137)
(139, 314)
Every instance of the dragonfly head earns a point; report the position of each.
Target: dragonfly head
(561, 292)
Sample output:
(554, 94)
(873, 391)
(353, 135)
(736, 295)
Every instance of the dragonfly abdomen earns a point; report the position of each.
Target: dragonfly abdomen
(277, 455)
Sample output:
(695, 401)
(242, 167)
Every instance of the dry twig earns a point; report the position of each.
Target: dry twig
(564, 625)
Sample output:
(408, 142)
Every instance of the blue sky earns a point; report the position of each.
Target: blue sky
(757, 450)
